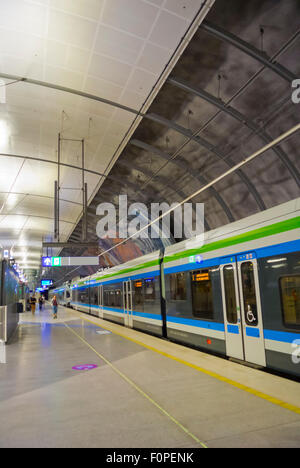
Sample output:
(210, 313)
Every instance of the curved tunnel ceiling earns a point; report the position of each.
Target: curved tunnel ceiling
(228, 96)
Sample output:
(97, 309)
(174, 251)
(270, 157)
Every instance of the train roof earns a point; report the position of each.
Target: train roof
(272, 216)
(259, 220)
(146, 261)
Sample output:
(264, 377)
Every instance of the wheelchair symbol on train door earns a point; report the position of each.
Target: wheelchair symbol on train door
(250, 316)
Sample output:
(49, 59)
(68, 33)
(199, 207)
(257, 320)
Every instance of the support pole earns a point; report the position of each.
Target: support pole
(58, 186)
(83, 196)
(55, 210)
(85, 211)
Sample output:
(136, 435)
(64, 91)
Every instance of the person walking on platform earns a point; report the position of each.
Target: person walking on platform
(41, 302)
(55, 307)
(33, 304)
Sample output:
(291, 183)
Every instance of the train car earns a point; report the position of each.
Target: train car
(63, 295)
(239, 294)
(128, 294)
(236, 294)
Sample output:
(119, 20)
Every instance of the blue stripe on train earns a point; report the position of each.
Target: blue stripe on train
(197, 323)
(283, 337)
(252, 332)
(120, 311)
(146, 315)
(233, 329)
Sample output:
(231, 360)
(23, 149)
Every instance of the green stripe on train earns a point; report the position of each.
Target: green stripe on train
(266, 231)
(277, 228)
(130, 270)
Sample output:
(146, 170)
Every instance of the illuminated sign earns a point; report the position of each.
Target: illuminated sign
(47, 283)
(48, 262)
(51, 261)
(196, 259)
(201, 277)
(56, 261)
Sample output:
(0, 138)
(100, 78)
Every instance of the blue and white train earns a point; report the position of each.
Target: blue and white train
(237, 294)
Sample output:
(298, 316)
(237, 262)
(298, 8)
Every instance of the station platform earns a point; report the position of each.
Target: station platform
(144, 393)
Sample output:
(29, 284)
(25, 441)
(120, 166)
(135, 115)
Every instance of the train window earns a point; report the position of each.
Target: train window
(149, 289)
(112, 298)
(290, 299)
(84, 296)
(178, 287)
(94, 296)
(230, 297)
(118, 298)
(106, 298)
(202, 300)
(138, 296)
(249, 294)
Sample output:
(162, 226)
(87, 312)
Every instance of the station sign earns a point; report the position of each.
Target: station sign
(51, 261)
(48, 262)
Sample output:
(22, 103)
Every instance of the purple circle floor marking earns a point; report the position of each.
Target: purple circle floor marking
(85, 367)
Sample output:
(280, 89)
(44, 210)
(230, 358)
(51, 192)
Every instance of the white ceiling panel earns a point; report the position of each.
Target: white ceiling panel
(167, 28)
(185, 9)
(88, 8)
(134, 16)
(110, 70)
(118, 44)
(71, 29)
(154, 58)
(23, 16)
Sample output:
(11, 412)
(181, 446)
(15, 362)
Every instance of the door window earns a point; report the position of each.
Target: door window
(249, 294)
(138, 296)
(230, 294)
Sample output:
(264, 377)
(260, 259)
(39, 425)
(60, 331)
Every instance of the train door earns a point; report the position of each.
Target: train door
(127, 298)
(253, 333)
(242, 309)
(232, 310)
(100, 301)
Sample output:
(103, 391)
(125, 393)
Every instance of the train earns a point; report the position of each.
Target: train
(237, 294)
(12, 297)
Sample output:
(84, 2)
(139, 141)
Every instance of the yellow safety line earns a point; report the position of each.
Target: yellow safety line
(252, 391)
(138, 389)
